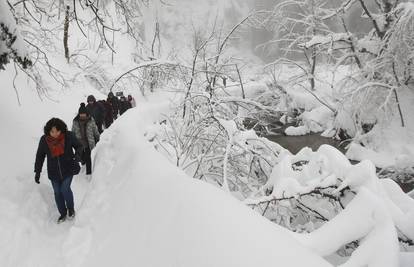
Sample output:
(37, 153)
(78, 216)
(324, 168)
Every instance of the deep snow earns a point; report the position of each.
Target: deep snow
(138, 210)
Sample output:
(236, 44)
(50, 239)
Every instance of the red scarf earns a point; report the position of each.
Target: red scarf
(56, 145)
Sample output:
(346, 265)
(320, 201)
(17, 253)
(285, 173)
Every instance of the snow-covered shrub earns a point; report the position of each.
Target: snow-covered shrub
(320, 192)
(210, 143)
(11, 47)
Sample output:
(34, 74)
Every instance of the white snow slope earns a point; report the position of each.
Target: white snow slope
(138, 210)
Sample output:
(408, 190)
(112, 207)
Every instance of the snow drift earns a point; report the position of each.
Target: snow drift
(143, 211)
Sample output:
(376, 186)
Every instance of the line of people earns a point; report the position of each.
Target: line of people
(64, 149)
(106, 111)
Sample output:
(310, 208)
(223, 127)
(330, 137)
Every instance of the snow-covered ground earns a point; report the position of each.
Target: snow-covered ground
(138, 209)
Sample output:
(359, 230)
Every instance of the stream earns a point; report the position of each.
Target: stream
(314, 140)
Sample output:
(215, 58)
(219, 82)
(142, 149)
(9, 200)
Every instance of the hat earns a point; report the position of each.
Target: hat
(91, 98)
(83, 109)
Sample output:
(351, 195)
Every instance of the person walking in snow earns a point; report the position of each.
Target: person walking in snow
(97, 111)
(113, 100)
(131, 101)
(109, 113)
(57, 145)
(86, 131)
(124, 105)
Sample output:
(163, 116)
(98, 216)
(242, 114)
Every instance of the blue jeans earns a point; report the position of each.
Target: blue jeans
(63, 195)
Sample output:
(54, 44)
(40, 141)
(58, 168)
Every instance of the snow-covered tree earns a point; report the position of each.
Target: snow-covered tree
(11, 43)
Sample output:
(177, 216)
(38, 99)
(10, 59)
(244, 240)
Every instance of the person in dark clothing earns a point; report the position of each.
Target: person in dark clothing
(124, 105)
(131, 101)
(97, 111)
(57, 144)
(86, 131)
(113, 100)
(109, 113)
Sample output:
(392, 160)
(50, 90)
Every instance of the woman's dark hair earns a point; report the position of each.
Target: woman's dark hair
(57, 123)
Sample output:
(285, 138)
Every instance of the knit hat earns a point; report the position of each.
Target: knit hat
(91, 98)
(83, 109)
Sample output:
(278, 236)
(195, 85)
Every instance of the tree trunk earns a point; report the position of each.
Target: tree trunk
(65, 34)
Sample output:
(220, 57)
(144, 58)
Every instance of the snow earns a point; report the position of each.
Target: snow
(369, 220)
(314, 121)
(377, 210)
(6, 16)
(389, 145)
(133, 210)
(166, 213)
(139, 209)
(7, 19)
(326, 39)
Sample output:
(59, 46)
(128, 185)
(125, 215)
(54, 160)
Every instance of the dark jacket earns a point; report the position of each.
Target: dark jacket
(115, 105)
(61, 167)
(124, 105)
(92, 133)
(97, 111)
(109, 113)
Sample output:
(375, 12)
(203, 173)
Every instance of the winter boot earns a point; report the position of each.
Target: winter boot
(71, 214)
(61, 219)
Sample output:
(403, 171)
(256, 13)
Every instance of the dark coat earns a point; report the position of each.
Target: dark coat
(97, 111)
(109, 113)
(115, 105)
(58, 168)
(124, 105)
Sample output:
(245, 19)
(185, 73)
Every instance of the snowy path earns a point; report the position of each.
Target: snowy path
(28, 223)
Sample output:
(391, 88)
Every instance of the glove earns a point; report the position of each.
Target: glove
(78, 158)
(37, 178)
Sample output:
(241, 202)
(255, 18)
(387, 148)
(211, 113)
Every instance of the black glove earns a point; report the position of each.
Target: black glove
(37, 178)
(78, 158)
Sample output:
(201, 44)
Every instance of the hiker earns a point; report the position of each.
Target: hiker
(57, 145)
(113, 100)
(86, 131)
(97, 111)
(124, 105)
(109, 113)
(131, 101)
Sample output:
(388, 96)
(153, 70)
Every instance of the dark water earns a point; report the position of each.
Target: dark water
(295, 143)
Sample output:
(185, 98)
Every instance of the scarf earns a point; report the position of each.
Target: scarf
(56, 145)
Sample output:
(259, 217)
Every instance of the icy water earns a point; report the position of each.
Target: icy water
(295, 143)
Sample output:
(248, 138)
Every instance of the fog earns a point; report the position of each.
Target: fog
(256, 37)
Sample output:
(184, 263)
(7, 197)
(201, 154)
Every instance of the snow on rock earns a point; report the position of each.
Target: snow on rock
(316, 120)
(382, 159)
(297, 130)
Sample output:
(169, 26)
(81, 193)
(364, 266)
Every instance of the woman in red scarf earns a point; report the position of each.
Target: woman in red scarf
(57, 144)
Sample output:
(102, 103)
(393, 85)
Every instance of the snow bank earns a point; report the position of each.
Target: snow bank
(137, 211)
